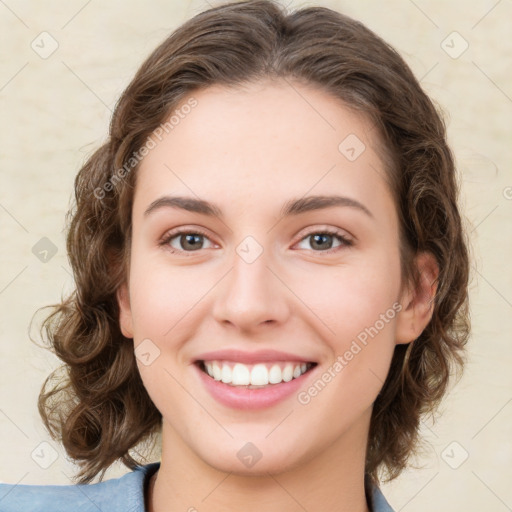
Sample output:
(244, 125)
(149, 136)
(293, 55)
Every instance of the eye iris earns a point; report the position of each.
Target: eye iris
(191, 241)
(319, 241)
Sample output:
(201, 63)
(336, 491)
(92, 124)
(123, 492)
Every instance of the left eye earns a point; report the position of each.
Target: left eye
(187, 242)
(323, 241)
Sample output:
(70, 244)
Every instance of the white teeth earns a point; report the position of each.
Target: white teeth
(259, 375)
(226, 374)
(238, 374)
(275, 376)
(288, 373)
(216, 372)
(241, 375)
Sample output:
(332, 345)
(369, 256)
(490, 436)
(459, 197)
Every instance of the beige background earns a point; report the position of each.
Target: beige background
(56, 110)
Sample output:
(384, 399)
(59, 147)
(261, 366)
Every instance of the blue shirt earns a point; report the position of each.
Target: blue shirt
(124, 494)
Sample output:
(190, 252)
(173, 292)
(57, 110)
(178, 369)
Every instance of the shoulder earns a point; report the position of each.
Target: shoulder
(378, 501)
(124, 494)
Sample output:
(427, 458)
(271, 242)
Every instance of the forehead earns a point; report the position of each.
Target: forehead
(263, 140)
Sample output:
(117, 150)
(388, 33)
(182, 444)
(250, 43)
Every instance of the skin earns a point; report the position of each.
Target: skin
(249, 150)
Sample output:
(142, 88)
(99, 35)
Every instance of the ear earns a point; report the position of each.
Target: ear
(418, 302)
(125, 312)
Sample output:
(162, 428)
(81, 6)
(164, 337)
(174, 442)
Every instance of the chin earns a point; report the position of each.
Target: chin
(268, 464)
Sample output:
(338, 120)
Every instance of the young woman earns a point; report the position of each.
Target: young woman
(270, 273)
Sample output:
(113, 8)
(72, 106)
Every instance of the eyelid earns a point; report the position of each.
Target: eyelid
(311, 230)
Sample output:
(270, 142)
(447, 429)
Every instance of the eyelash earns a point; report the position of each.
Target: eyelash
(344, 241)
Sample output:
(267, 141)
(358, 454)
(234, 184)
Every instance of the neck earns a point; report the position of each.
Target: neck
(331, 481)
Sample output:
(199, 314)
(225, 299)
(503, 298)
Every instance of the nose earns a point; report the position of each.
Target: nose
(251, 296)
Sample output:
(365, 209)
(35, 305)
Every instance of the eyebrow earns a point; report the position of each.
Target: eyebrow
(292, 207)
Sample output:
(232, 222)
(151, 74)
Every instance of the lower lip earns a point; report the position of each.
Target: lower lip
(256, 398)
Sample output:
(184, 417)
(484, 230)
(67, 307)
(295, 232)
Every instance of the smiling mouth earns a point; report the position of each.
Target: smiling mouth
(254, 376)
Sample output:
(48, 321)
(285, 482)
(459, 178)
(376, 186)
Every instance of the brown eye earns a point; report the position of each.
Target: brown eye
(191, 241)
(326, 241)
(186, 241)
(321, 241)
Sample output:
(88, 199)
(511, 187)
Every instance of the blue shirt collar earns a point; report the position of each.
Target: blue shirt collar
(124, 494)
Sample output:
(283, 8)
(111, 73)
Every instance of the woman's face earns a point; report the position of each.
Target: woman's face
(263, 227)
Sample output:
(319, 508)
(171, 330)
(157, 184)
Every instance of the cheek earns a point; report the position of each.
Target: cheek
(355, 311)
(351, 298)
(360, 312)
(162, 295)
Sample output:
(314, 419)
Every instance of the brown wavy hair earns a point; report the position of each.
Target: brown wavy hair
(98, 407)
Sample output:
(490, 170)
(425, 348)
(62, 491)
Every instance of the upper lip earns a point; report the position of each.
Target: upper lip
(250, 357)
